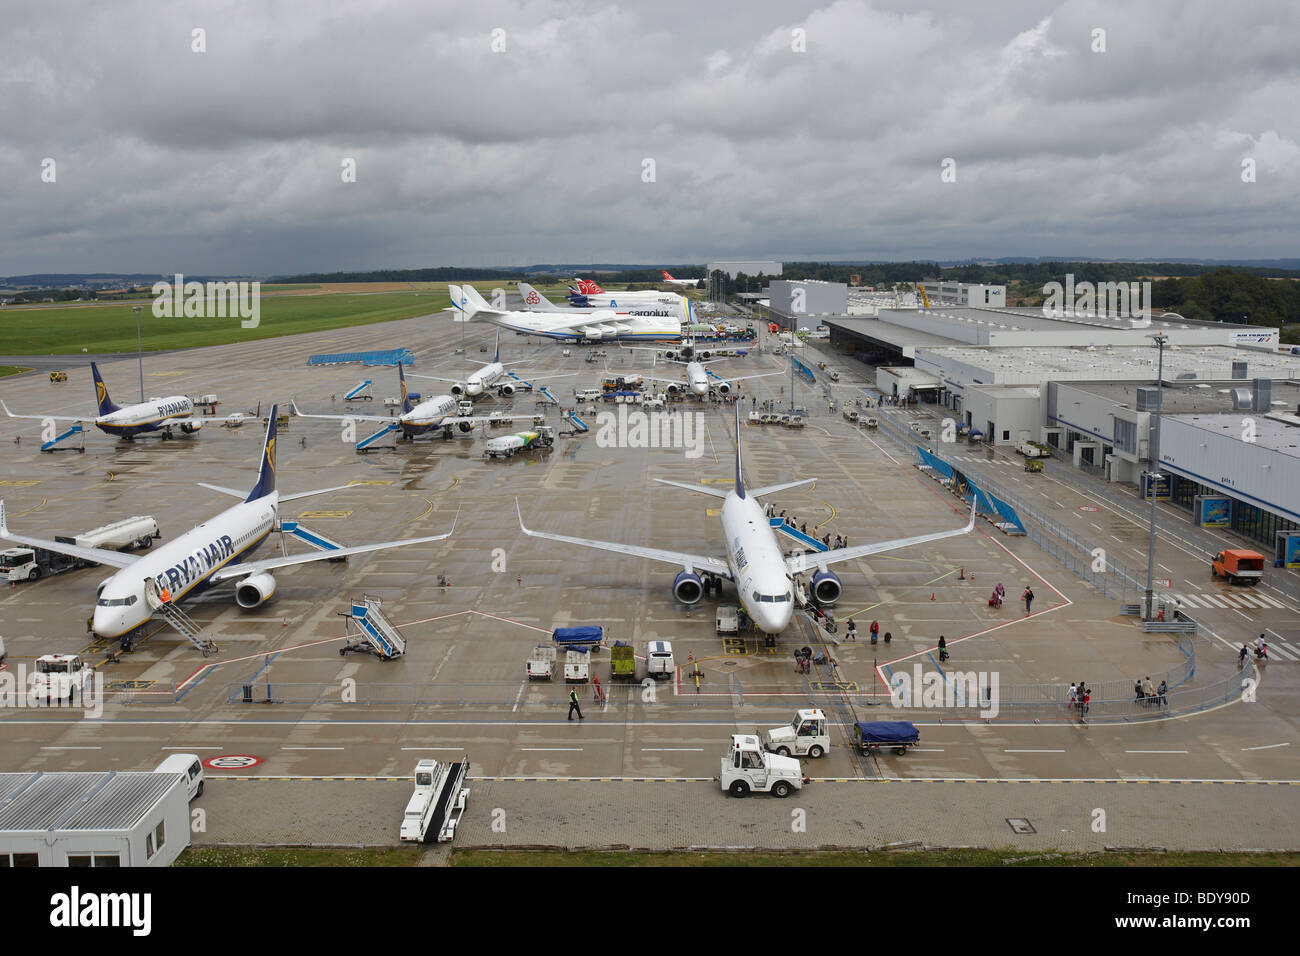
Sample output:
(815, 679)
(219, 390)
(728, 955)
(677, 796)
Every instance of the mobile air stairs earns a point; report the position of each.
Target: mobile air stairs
(314, 538)
(357, 394)
(181, 622)
(77, 429)
(576, 425)
(375, 634)
(780, 524)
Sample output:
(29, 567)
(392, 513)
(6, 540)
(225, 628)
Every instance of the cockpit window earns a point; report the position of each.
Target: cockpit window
(116, 602)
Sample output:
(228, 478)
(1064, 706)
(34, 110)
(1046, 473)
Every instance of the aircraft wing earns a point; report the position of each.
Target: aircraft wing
(680, 559)
(270, 564)
(386, 419)
(740, 378)
(236, 493)
(439, 378)
(115, 559)
(799, 563)
(57, 418)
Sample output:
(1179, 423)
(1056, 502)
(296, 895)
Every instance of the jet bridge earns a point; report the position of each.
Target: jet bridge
(375, 633)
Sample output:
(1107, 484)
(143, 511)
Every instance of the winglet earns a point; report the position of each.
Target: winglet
(974, 504)
(496, 356)
(520, 513)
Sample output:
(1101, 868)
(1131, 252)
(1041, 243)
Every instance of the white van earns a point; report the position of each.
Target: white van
(188, 764)
(659, 660)
(587, 395)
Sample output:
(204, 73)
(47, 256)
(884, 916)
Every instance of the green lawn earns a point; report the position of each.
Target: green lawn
(408, 856)
(44, 330)
(12, 370)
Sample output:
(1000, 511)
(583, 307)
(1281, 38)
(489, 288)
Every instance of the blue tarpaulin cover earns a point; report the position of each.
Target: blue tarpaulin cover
(887, 732)
(579, 635)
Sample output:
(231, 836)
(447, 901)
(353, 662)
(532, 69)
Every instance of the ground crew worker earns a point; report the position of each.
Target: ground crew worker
(943, 648)
(875, 631)
(573, 705)
(165, 596)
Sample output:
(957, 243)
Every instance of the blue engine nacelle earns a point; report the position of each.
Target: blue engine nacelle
(578, 301)
(688, 588)
(826, 587)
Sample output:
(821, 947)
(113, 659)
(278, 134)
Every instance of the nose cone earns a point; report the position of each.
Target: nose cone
(109, 621)
(474, 389)
(773, 618)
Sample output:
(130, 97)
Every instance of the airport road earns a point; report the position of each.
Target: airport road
(460, 687)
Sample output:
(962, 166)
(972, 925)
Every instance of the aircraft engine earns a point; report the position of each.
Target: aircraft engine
(688, 588)
(254, 590)
(191, 426)
(704, 355)
(826, 587)
(673, 389)
(465, 426)
(724, 388)
(458, 389)
(507, 389)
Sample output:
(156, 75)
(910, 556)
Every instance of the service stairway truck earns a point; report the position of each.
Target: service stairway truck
(747, 768)
(436, 806)
(375, 632)
(805, 736)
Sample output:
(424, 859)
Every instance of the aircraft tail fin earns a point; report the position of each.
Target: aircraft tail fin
(106, 405)
(266, 474)
(535, 300)
(587, 287)
(406, 399)
(666, 275)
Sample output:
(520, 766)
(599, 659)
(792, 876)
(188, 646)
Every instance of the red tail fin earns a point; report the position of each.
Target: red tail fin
(666, 275)
(587, 287)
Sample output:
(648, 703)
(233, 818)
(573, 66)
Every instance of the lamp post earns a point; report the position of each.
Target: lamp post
(1153, 476)
(139, 350)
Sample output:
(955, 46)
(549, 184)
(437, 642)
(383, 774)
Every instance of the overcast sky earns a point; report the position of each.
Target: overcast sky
(766, 142)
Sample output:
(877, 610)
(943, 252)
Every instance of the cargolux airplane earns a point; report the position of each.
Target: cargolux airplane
(214, 552)
(166, 415)
(753, 560)
(570, 325)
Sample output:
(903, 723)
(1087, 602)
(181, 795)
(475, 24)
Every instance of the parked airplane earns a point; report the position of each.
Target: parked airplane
(754, 561)
(431, 414)
(655, 304)
(690, 283)
(166, 415)
(697, 376)
(594, 326)
(491, 375)
(587, 293)
(214, 552)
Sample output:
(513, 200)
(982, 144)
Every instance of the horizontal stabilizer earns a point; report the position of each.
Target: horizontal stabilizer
(715, 492)
(773, 489)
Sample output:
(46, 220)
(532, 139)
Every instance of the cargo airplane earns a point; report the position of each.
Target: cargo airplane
(212, 553)
(587, 293)
(165, 415)
(659, 322)
(689, 283)
(763, 575)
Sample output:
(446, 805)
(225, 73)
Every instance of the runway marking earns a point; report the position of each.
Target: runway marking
(672, 750)
(295, 747)
(456, 749)
(1033, 751)
(187, 749)
(552, 749)
(1155, 751)
(71, 748)
(1269, 746)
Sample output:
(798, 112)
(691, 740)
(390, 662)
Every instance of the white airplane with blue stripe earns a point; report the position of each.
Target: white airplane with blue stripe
(490, 375)
(763, 575)
(214, 552)
(571, 324)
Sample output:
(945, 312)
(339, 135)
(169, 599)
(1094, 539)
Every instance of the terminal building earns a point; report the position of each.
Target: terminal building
(137, 818)
(962, 293)
(1086, 385)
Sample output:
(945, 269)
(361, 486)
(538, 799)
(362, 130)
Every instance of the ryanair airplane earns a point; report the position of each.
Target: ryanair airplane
(754, 560)
(164, 415)
(214, 552)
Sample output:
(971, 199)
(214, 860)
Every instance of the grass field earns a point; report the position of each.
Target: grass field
(256, 856)
(111, 327)
(12, 370)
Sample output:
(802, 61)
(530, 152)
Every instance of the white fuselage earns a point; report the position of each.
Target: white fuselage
(480, 381)
(602, 324)
(614, 300)
(430, 412)
(145, 416)
(683, 282)
(757, 564)
(183, 565)
(697, 378)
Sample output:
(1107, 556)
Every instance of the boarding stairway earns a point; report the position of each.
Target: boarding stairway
(180, 622)
(578, 424)
(780, 524)
(77, 429)
(356, 396)
(375, 633)
(314, 538)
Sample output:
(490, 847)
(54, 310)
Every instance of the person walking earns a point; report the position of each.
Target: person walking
(1073, 694)
(1087, 699)
(1241, 658)
(1028, 598)
(852, 632)
(875, 632)
(1162, 691)
(573, 704)
(1148, 689)
(943, 649)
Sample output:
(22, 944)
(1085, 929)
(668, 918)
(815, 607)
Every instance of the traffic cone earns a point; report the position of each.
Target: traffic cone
(931, 595)
(962, 576)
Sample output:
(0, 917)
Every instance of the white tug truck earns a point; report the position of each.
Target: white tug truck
(507, 446)
(805, 736)
(747, 768)
(60, 677)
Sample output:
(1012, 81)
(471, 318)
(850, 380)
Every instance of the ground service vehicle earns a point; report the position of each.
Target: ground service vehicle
(1238, 565)
(507, 446)
(436, 806)
(577, 665)
(728, 620)
(191, 766)
(806, 735)
(747, 768)
(659, 660)
(60, 677)
(58, 376)
(590, 635)
(587, 395)
(622, 661)
(1034, 449)
(28, 564)
(897, 734)
(541, 663)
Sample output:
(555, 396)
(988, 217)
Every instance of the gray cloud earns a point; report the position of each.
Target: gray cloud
(230, 160)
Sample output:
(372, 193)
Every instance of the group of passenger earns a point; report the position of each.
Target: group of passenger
(840, 540)
(1080, 697)
(852, 632)
(1146, 694)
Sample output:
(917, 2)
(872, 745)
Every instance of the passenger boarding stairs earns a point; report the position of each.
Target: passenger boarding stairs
(780, 524)
(376, 634)
(181, 622)
(314, 538)
(578, 425)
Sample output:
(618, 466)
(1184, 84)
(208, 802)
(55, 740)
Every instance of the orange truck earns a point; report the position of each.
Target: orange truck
(1239, 566)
